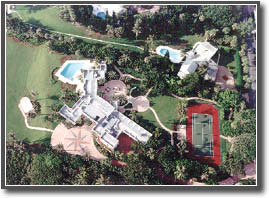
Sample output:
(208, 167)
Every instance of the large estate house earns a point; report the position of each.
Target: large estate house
(109, 122)
(201, 54)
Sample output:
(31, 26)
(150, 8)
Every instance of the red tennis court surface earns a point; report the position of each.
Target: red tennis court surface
(125, 143)
(211, 110)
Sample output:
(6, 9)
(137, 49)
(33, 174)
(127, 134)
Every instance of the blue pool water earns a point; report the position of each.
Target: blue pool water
(172, 54)
(163, 51)
(101, 15)
(70, 69)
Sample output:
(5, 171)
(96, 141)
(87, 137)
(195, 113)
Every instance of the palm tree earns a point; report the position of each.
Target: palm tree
(151, 153)
(111, 75)
(137, 29)
(100, 180)
(133, 116)
(122, 99)
(110, 30)
(180, 172)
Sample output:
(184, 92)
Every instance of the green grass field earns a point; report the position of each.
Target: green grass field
(224, 147)
(48, 18)
(165, 107)
(28, 69)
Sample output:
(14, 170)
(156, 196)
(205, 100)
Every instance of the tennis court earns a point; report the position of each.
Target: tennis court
(202, 134)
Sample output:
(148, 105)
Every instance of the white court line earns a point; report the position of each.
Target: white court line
(209, 122)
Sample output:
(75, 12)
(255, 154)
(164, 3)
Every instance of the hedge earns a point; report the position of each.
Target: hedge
(239, 75)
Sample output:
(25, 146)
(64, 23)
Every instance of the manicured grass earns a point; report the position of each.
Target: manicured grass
(224, 147)
(28, 69)
(48, 18)
(192, 39)
(165, 107)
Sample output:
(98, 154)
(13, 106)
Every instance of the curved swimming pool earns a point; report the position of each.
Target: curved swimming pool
(175, 56)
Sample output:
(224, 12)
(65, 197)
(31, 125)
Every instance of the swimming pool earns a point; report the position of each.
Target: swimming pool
(70, 69)
(175, 56)
(102, 15)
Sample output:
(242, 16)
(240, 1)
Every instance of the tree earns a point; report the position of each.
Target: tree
(180, 173)
(81, 177)
(244, 120)
(181, 111)
(118, 32)
(226, 30)
(244, 148)
(246, 27)
(46, 169)
(232, 165)
(17, 158)
(250, 181)
(234, 42)
(228, 99)
(218, 16)
(110, 30)
(133, 116)
(188, 86)
(111, 75)
(211, 34)
(47, 36)
(39, 32)
(150, 42)
(137, 29)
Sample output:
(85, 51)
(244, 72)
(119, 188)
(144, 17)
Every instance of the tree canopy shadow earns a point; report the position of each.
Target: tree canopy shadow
(35, 8)
(36, 23)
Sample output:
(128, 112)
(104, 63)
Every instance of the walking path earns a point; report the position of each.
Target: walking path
(160, 123)
(194, 98)
(148, 92)
(83, 37)
(31, 127)
(230, 140)
(126, 75)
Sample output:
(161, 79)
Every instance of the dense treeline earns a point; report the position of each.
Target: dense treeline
(39, 164)
(170, 22)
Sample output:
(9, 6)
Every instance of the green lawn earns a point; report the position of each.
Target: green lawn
(48, 18)
(192, 39)
(28, 69)
(224, 147)
(165, 107)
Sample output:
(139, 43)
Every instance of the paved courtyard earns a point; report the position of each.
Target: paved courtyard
(225, 78)
(77, 141)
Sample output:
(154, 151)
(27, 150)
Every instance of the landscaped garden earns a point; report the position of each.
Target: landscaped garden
(48, 18)
(165, 107)
(28, 74)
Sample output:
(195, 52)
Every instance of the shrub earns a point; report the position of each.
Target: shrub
(228, 99)
(239, 76)
(245, 148)
(227, 129)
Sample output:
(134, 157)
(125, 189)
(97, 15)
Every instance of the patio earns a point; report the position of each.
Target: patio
(77, 141)
(113, 88)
